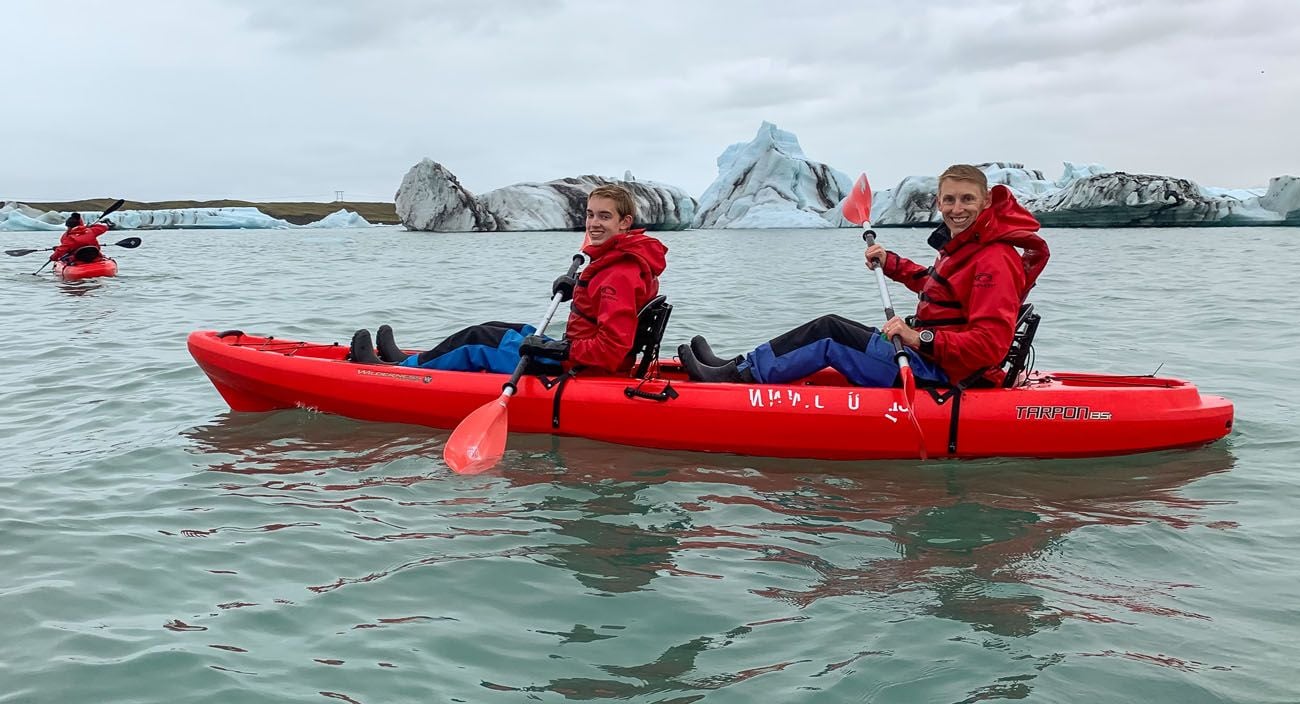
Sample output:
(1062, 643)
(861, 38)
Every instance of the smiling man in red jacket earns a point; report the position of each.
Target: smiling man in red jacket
(621, 277)
(964, 323)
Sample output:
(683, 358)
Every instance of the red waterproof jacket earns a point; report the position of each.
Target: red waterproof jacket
(621, 277)
(972, 295)
(78, 237)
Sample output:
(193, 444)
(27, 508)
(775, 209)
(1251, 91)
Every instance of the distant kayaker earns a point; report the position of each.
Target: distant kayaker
(622, 275)
(80, 235)
(969, 302)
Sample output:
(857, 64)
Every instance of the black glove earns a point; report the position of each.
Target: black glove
(564, 286)
(538, 346)
(111, 225)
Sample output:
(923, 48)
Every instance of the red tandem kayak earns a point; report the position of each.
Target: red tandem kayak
(77, 271)
(1057, 414)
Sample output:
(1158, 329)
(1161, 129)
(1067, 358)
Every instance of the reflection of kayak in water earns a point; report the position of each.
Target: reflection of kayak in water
(1054, 415)
(76, 271)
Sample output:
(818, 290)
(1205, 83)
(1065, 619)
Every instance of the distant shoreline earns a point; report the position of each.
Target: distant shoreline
(298, 213)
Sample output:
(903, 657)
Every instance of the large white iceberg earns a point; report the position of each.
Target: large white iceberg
(432, 199)
(768, 182)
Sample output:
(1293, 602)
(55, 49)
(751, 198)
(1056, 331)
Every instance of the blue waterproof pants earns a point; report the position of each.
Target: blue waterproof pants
(857, 351)
(490, 347)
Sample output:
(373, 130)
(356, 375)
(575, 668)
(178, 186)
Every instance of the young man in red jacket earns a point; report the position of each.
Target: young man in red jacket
(621, 276)
(80, 235)
(969, 301)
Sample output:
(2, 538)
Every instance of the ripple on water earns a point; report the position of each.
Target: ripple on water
(159, 547)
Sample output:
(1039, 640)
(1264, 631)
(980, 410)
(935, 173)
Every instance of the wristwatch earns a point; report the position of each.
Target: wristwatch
(927, 342)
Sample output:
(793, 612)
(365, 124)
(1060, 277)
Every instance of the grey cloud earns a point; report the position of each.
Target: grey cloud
(316, 25)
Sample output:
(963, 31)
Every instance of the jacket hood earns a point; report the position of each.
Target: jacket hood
(634, 243)
(1005, 220)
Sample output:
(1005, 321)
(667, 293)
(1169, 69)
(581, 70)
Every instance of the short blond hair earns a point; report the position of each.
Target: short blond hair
(965, 172)
(622, 198)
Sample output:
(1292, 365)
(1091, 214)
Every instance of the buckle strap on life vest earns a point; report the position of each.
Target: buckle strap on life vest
(915, 322)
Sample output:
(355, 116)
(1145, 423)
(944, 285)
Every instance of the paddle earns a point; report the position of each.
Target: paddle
(108, 211)
(128, 243)
(477, 444)
(857, 210)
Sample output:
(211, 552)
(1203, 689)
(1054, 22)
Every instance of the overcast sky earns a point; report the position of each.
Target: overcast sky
(295, 99)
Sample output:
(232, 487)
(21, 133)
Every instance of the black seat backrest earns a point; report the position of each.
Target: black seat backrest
(1021, 345)
(651, 322)
(87, 254)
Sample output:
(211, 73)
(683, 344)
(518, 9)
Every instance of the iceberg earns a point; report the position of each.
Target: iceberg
(16, 217)
(1090, 195)
(236, 218)
(19, 217)
(432, 199)
(337, 220)
(769, 182)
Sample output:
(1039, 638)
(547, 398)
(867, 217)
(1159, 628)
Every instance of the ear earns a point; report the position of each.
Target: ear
(625, 223)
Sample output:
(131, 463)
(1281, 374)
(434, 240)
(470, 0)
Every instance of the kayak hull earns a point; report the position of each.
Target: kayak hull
(823, 417)
(77, 272)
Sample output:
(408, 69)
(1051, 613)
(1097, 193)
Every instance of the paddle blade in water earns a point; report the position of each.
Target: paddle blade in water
(857, 206)
(909, 393)
(477, 444)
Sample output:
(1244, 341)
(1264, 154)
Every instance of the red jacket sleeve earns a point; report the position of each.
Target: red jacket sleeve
(905, 271)
(991, 313)
(616, 289)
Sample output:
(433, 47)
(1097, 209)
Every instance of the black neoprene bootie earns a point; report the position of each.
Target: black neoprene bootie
(699, 371)
(388, 349)
(703, 352)
(362, 352)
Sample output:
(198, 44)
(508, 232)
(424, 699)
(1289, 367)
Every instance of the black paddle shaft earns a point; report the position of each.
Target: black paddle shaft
(512, 384)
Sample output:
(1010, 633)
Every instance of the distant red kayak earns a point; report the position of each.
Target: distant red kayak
(1054, 415)
(77, 271)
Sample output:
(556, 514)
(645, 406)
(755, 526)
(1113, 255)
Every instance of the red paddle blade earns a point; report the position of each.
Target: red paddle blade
(477, 444)
(909, 391)
(857, 206)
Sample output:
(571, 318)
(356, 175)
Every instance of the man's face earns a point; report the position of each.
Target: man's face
(603, 221)
(960, 202)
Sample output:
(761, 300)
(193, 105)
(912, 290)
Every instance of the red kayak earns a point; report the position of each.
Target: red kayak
(76, 271)
(1057, 414)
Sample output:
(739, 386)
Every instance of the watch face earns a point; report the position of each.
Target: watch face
(927, 336)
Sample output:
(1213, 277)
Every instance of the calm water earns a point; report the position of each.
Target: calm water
(157, 547)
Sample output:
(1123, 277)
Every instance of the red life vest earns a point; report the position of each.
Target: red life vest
(971, 296)
(622, 276)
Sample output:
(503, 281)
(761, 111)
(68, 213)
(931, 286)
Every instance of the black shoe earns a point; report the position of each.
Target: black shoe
(388, 349)
(704, 353)
(698, 371)
(362, 352)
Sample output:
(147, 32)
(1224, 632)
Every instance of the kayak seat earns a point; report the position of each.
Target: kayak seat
(87, 254)
(651, 321)
(1016, 364)
(1022, 342)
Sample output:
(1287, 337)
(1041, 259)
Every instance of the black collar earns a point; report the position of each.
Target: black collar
(940, 237)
